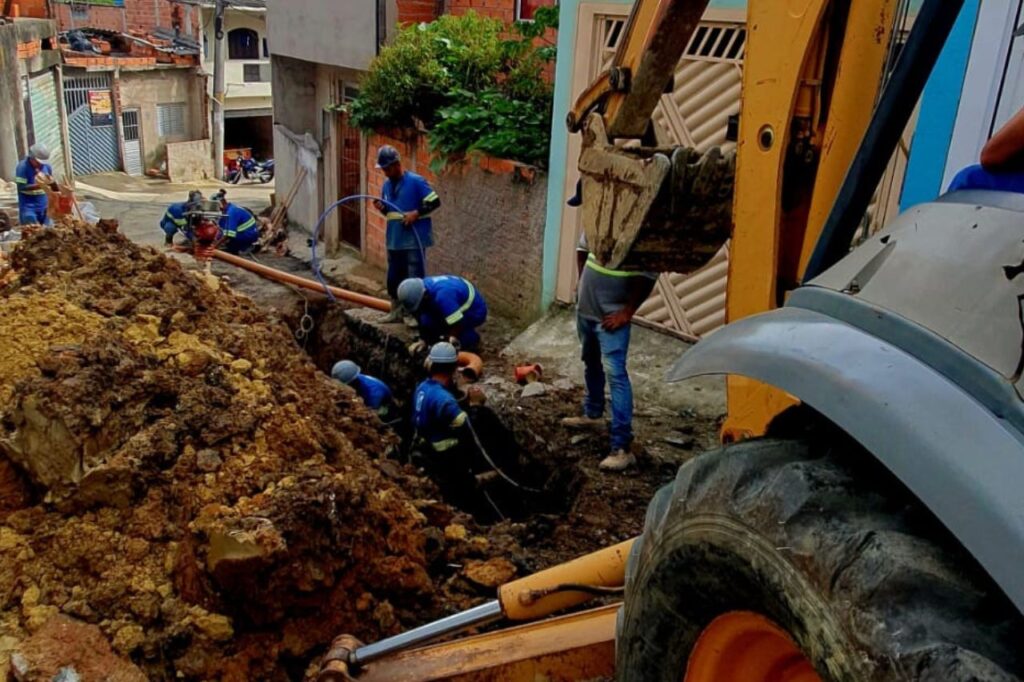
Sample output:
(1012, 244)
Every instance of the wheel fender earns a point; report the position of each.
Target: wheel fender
(962, 461)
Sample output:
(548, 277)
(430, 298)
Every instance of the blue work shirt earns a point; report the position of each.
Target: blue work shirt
(408, 193)
(374, 392)
(451, 300)
(437, 415)
(237, 220)
(174, 218)
(25, 175)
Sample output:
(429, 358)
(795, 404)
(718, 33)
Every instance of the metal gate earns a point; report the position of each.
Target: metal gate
(132, 142)
(45, 121)
(89, 103)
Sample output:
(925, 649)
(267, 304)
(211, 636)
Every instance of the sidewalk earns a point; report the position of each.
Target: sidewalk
(143, 189)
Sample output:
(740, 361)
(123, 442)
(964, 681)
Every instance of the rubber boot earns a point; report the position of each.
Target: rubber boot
(396, 312)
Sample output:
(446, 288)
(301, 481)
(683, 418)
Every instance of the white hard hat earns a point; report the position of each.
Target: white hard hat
(39, 152)
(443, 353)
(345, 371)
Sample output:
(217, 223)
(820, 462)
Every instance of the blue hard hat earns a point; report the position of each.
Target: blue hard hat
(345, 371)
(443, 353)
(410, 293)
(387, 156)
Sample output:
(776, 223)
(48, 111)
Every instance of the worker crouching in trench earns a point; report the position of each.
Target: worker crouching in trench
(452, 442)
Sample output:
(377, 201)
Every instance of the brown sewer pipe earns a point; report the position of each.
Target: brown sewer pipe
(295, 280)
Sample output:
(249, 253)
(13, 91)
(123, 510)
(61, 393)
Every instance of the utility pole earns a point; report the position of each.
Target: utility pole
(218, 89)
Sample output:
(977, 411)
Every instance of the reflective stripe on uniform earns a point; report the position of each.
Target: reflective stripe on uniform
(20, 181)
(250, 223)
(446, 444)
(32, 192)
(457, 315)
(460, 420)
(597, 267)
(395, 215)
(180, 222)
(430, 197)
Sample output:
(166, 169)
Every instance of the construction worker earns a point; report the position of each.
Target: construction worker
(448, 308)
(374, 392)
(32, 176)
(606, 302)
(409, 231)
(442, 428)
(176, 219)
(239, 229)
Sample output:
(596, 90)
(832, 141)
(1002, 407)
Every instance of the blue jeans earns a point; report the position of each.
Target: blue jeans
(403, 264)
(604, 355)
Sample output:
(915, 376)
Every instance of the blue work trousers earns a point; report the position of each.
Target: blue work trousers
(32, 210)
(403, 264)
(242, 242)
(604, 356)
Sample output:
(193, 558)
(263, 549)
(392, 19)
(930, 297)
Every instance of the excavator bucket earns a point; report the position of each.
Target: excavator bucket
(653, 209)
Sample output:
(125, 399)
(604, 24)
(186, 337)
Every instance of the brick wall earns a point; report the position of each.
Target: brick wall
(417, 11)
(499, 9)
(136, 15)
(489, 229)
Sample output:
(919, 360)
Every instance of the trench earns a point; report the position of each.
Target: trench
(544, 488)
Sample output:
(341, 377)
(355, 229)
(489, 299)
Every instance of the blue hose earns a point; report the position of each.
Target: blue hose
(316, 234)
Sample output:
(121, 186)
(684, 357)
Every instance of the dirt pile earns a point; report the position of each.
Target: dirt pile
(180, 481)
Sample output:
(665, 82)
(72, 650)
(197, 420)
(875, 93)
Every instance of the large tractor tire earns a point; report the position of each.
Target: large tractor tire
(803, 560)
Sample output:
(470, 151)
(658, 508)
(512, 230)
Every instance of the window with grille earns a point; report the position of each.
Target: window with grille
(525, 9)
(243, 43)
(170, 119)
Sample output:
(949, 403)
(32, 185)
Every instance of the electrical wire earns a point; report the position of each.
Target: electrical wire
(323, 217)
(497, 469)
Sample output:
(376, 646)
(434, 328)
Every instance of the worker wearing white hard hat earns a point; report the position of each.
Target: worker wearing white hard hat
(32, 176)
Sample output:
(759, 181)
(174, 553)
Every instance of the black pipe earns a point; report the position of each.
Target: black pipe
(926, 40)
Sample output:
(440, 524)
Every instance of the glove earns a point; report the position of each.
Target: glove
(417, 347)
(454, 340)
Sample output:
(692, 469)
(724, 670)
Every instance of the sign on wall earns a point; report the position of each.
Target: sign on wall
(101, 107)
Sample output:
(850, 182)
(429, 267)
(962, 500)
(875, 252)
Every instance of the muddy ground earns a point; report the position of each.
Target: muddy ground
(184, 496)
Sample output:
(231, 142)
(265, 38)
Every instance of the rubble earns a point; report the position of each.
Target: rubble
(179, 485)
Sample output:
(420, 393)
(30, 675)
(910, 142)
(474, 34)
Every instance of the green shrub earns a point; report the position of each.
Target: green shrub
(475, 84)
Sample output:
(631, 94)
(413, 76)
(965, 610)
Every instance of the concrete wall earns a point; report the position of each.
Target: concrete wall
(324, 31)
(239, 94)
(489, 228)
(144, 90)
(190, 161)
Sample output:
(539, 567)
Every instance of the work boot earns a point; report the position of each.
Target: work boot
(168, 240)
(620, 460)
(584, 422)
(396, 312)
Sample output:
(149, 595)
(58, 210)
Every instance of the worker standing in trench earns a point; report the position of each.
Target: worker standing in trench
(32, 176)
(606, 302)
(444, 439)
(374, 392)
(410, 233)
(448, 308)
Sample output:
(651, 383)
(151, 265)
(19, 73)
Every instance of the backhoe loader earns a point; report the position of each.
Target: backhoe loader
(864, 519)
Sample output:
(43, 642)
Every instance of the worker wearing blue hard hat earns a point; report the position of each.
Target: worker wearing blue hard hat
(374, 392)
(407, 201)
(447, 307)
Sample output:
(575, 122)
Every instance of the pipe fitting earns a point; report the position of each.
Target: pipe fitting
(471, 365)
(335, 665)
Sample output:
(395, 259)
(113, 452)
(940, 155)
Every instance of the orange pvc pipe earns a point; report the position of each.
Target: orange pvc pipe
(288, 278)
(471, 364)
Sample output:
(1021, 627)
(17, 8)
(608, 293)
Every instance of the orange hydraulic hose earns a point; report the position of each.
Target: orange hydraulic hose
(288, 278)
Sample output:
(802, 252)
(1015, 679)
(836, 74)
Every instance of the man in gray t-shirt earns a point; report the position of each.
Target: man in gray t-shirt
(606, 302)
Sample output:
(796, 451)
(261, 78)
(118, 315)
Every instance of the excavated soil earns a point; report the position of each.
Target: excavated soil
(183, 495)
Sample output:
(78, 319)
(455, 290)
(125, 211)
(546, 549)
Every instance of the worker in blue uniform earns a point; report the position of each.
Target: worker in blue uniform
(32, 176)
(448, 308)
(239, 229)
(409, 231)
(176, 217)
(374, 392)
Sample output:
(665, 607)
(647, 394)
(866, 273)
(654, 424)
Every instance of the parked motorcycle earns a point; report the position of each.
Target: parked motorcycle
(250, 169)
